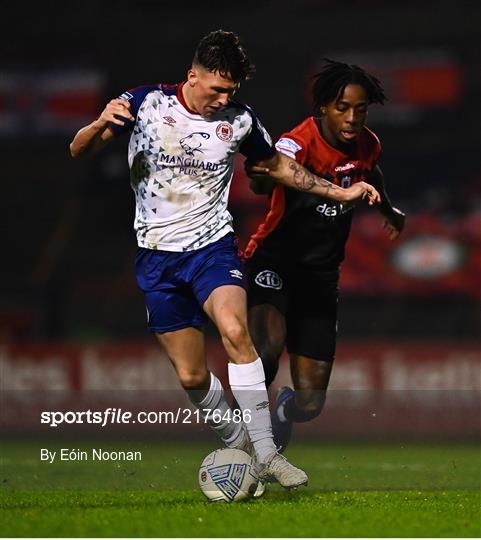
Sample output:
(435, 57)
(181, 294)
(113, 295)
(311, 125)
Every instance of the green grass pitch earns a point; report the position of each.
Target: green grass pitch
(355, 489)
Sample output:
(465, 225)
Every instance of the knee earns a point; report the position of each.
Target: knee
(269, 340)
(235, 334)
(271, 351)
(193, 379)
(270, 360)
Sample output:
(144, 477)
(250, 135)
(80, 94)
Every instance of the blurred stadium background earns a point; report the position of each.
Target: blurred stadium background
(71, 317)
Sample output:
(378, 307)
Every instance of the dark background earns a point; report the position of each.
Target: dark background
(67, 271)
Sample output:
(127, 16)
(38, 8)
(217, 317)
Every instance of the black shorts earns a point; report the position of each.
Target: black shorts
(308, 300)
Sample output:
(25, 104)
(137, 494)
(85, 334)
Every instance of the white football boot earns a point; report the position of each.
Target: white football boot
(278, 469)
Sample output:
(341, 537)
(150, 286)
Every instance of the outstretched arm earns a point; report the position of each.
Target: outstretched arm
(287, 171)
(90, 139)
(393, 217)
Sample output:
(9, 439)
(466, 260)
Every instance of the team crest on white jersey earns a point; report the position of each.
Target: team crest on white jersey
(269, 280)
(224, 131)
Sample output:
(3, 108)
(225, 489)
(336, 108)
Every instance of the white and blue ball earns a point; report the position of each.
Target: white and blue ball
(228, 475)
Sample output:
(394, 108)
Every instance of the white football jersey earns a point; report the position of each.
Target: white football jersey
(182, 164)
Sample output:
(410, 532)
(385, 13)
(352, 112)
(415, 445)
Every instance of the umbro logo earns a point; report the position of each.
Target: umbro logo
(168, 120)
(262, 405)
(236, 273)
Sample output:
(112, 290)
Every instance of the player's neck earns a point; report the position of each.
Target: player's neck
(187, 98)
(330, 138)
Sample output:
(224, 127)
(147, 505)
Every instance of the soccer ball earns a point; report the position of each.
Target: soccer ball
(228, 475)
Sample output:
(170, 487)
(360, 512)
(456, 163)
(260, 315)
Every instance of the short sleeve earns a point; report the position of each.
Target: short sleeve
(135, 96)
(257, 146)
(293, 146)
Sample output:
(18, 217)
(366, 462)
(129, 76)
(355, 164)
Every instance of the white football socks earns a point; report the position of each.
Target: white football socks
(247, 382)
(214, 401)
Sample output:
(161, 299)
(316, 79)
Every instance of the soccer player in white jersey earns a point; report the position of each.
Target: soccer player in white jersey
(181, 157)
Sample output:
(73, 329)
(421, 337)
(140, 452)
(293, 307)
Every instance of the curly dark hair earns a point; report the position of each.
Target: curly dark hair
(333, 78)
(223, 52)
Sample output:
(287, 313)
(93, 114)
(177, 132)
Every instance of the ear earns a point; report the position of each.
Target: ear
(323, 110)
(192, 76)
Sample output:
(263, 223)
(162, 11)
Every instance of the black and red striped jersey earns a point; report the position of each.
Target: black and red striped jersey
(305, 229)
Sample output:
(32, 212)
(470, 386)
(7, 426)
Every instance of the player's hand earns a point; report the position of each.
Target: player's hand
(114, 108)
(362, 190)
(261, 183)
(394, 223)
(255, 170)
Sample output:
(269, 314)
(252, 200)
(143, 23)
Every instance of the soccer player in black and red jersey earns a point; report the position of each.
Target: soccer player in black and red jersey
(293, 259)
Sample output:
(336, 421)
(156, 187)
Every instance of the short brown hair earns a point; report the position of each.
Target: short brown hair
(223, 52)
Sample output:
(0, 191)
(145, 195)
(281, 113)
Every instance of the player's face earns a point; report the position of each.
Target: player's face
(209, 90)
(343, 118)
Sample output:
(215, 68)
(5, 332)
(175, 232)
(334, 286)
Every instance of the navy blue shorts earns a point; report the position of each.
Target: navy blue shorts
(177, 284)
